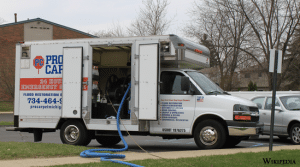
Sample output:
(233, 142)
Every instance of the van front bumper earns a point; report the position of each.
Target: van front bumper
(244, 128)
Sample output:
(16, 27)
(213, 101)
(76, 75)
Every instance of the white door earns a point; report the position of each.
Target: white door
(148, 81)
(72, 82)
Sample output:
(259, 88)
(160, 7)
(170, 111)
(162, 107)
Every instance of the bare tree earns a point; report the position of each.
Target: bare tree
(115, 30)
(152, 19)
(244, 31)
(292, 75)
(226, 30)
(273, 23)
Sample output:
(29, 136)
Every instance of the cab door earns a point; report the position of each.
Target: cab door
(177, 107)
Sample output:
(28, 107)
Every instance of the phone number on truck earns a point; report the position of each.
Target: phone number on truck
(45, 101)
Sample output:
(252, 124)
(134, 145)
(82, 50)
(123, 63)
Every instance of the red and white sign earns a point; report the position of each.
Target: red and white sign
(41, 84)
(45, 84)
(38, 62)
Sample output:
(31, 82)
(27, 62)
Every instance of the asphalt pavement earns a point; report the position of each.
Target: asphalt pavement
(174, 148)
(150, 143)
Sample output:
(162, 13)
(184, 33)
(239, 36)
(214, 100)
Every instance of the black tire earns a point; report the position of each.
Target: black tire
(108, 140)
(210, 134)
(74, 133)
(232, 141)
(282, 137)
(295, 133)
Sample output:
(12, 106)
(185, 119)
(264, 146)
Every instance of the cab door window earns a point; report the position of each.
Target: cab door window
(171, 83)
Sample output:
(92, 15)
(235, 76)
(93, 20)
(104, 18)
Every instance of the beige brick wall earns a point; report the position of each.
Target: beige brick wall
(38, 30)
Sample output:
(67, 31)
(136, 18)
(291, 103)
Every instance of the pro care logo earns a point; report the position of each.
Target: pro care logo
(54, 64)
(38, 62)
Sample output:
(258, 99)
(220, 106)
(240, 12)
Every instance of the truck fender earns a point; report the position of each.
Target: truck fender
(63, 120)
(206, 116)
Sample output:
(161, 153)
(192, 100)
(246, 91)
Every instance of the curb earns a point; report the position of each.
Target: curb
(9, 112)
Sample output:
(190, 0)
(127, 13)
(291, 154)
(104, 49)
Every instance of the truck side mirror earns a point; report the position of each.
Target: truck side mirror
(185, 83)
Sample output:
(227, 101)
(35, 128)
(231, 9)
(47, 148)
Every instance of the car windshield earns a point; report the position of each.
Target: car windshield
(208, 86)
(291, 102)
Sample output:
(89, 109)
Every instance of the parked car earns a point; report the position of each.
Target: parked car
(287, 115)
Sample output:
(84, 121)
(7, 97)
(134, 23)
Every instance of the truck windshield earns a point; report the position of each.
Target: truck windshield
(208, 86)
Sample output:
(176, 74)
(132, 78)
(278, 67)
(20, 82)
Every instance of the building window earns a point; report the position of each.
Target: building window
(247, 75)
(259, 74)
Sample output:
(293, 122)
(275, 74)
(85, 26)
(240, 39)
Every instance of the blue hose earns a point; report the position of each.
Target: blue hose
(107, 156)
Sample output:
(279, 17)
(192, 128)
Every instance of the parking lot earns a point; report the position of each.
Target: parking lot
(149, 143)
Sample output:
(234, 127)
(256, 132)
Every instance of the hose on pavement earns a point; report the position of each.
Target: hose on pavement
(107, 156)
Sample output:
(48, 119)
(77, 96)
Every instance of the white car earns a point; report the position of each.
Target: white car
(287, 115)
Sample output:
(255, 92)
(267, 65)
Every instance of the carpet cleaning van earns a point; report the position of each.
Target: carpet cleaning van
(78, 85)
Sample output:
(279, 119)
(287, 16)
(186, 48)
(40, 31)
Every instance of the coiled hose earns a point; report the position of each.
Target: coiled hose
(107, 156)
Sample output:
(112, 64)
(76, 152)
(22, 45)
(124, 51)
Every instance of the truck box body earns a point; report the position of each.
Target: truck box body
(84, 80)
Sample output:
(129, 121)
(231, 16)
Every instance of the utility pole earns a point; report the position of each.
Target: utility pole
(274, 83)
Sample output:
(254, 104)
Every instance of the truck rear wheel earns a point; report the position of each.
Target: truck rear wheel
(74, 133)
(209, 134)
(108, 140)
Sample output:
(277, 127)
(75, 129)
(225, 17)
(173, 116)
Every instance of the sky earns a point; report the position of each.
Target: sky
(90, 15)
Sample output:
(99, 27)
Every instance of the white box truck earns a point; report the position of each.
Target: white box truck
(76, 86)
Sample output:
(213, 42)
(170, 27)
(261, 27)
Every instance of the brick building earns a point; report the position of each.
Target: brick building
(28, 30)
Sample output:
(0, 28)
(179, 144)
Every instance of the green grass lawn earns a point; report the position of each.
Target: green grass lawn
(233, 160)
(6, 123)
(18, 150)
(6, 106)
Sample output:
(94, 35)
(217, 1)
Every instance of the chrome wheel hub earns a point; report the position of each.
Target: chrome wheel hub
(296, 135)
(208, 135)
(71, 133)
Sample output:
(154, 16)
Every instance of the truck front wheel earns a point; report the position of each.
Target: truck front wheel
(209, 134)
(74, 133)
(108, 140)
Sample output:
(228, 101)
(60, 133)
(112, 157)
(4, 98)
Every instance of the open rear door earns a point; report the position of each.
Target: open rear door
(72, 82)
(148, 81)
